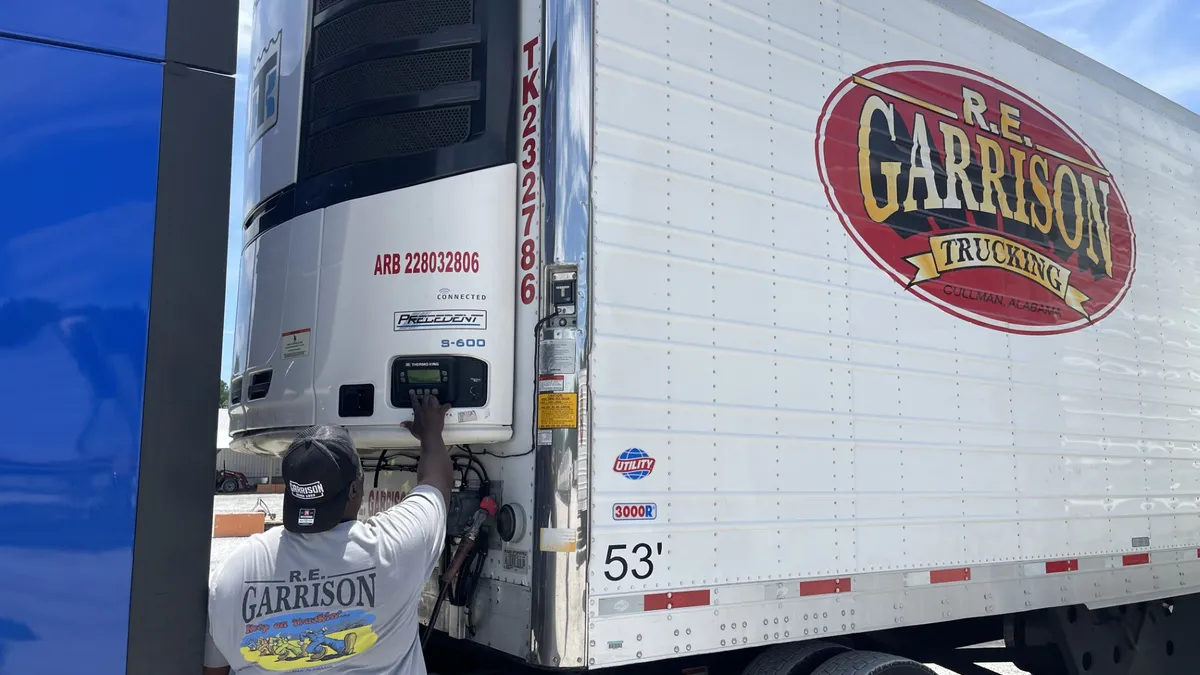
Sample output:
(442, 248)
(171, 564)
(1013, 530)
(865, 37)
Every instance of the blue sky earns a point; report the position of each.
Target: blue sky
(1151, 41)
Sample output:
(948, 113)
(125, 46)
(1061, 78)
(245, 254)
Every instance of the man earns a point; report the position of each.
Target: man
(326, 589)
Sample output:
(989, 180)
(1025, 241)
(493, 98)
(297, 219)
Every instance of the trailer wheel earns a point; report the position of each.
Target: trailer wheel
(229, 485)
(871, 663)
(797, 658)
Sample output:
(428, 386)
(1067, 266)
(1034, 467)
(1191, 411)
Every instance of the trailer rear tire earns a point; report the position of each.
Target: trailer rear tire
(797, 658)
(871, 663)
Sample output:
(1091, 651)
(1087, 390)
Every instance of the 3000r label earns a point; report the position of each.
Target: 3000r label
(428, 262)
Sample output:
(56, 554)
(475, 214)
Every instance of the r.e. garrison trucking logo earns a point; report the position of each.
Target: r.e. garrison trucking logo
(975, 197)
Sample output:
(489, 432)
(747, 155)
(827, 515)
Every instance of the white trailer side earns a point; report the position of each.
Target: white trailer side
(832, 453)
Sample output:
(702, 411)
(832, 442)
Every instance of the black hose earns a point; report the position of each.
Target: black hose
(379, 468)
(433, 616)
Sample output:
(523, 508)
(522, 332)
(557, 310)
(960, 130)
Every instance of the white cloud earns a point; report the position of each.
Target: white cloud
(1148, 41)
(1176, 83)
(1061, 8)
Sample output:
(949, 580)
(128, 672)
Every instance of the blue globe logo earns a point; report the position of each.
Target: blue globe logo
(634, 464)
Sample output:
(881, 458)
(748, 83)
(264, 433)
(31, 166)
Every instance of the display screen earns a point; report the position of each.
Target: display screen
(425, 376)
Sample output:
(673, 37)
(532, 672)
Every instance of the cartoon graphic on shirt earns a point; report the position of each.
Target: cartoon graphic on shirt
(337, 625)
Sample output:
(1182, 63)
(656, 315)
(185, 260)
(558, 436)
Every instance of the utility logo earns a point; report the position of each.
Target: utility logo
(453, 319)
(634, 464)
(975, 197)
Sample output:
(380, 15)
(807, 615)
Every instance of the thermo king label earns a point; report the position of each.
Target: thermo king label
(435, 319)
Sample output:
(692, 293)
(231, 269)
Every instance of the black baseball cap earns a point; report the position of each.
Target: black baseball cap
(318, 470)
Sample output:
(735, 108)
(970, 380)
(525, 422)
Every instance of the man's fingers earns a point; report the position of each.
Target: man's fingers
(407, 425)
(412, 397)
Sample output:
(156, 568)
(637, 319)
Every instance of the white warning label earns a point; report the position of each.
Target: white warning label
(295, 343)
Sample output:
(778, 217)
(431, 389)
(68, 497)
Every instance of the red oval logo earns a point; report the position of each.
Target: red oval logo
(975, 197)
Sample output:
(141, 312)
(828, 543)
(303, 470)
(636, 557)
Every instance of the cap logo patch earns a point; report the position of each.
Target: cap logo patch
(313, 490)
(307, 517)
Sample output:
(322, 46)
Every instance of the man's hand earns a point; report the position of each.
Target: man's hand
(434, 466)
(429, 417)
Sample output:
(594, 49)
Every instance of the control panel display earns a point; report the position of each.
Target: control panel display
(424, 376)
(461, 381)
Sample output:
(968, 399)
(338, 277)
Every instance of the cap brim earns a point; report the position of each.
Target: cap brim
(309, 516)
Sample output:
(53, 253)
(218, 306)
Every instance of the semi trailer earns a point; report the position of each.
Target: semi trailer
(826, 336)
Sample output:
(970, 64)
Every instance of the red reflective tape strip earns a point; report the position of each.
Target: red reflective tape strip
(659, 601)
(1137, 559)
(950, 576)
(824, 587)
(1056, 566)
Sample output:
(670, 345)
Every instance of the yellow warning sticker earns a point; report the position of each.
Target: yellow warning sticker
(558, 411)
(557, 540)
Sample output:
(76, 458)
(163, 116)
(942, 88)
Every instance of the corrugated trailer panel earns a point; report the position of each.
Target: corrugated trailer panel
(254, 466)
(773, 403)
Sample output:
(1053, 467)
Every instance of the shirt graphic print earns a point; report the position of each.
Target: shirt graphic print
(310, 617)
(344, 601)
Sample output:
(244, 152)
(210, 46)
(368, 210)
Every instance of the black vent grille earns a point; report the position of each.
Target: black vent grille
(399, 93)
(235, 390)
(387, 22)
(388, 136)
(260, 385)
(377, 80)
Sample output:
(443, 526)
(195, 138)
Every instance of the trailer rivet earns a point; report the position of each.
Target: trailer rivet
(677, 649)
(722, 643)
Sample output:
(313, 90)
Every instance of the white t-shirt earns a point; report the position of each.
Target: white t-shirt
(345, 599)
